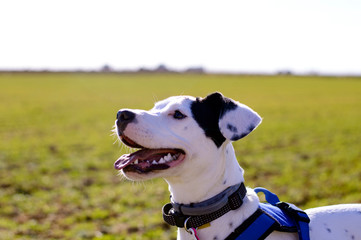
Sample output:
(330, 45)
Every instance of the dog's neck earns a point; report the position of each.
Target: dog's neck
(203, 183)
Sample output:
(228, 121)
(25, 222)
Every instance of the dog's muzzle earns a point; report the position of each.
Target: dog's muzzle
(144, 160)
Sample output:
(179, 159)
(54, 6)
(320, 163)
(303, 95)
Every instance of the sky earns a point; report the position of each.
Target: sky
(263, 36)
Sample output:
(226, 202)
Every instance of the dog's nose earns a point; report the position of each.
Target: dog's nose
(123, 118)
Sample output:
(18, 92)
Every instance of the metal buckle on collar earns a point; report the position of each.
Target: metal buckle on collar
(292, 211)
(191, 231)
(185, 225)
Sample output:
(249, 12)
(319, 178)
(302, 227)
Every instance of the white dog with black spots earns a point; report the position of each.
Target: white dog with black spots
(188, 142)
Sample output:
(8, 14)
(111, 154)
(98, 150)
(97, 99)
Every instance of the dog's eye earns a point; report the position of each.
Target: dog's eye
(178, 115)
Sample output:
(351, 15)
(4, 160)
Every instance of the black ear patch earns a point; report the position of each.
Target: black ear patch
(208, 111)
(222, 118)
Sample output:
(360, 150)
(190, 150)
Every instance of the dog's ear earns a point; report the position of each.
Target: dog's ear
(222, 118)
(237, 120)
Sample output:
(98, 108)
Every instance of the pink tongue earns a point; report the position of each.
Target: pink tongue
(124, 161)
(127, 159)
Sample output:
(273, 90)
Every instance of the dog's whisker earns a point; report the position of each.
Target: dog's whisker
(155, 98)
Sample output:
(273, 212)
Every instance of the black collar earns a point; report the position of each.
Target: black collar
(197, 214)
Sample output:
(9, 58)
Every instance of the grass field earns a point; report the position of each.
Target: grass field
(56, 154)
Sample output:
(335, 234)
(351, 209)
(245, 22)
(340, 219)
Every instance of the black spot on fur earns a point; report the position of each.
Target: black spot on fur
(215, 238)
(251, 127)
(352, 237)
(238, 136)
(231, 224)
(224, 182)
(327, 228)
(232, 128)
(208, 111)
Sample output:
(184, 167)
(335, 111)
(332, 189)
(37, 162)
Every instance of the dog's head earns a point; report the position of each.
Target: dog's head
(180, 134)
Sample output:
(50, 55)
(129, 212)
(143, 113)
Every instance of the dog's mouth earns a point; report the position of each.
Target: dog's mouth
(147, 160)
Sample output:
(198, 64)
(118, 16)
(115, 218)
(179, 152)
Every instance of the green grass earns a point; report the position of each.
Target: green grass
(56, 154)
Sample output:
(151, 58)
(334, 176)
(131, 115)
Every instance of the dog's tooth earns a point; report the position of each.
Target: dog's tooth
(136, 161)
(154, 162)
(166, 158)
(162, 160)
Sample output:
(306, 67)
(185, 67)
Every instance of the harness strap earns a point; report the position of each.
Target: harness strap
(257, 227)
(301, 219)
(274, 216)
(176, 218)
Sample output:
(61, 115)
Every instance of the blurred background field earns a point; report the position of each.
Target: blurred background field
(56, 150)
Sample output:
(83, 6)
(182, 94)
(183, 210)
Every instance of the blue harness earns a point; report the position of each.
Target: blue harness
(272, 216)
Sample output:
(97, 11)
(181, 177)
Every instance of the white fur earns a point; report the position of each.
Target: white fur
(207, 168)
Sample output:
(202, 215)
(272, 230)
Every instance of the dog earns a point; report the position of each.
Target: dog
(188, 142)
